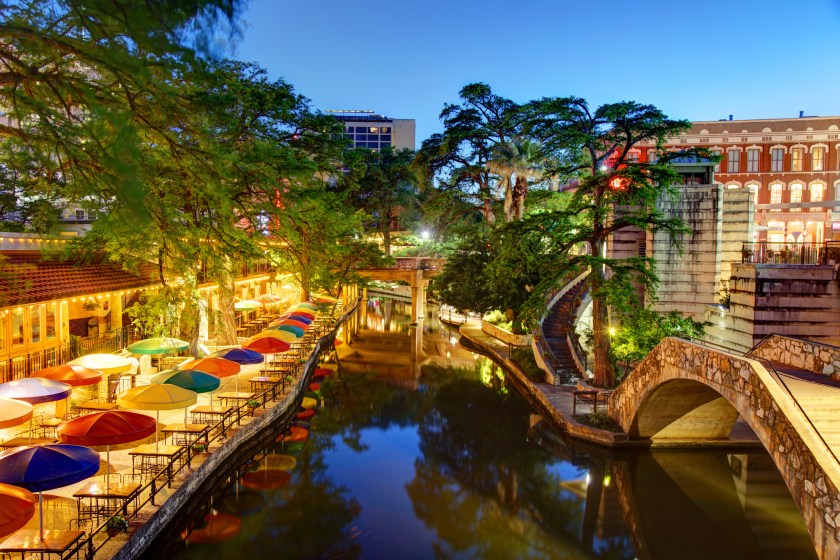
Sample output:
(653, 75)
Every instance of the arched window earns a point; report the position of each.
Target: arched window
(817, 194)
(776, 196)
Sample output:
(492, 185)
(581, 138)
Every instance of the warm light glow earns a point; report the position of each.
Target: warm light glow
(612, 331)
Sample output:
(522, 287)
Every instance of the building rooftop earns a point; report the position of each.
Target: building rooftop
(33, 276)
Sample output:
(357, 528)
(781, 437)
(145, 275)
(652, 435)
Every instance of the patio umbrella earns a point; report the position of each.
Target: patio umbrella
(158, 345)
(35, 390)
(220, 367)
(17, 506)
(106, 428)
(276, 332)
(219, 527)
(13, 412)
(294, 323)
(44, 467)
(106, 363)
(268, 298)
(306, 304)
(266, 344)
(302, 316)
(296, 332)
(306, 314)
(240, 356)
(194, 380)
(157, 398)
(300, 319)
(75, 376)
(247, 305)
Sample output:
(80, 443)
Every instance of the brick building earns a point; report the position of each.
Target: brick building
(791, 164)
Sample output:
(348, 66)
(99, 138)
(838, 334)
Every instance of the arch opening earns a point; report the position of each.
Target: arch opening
(683, 409)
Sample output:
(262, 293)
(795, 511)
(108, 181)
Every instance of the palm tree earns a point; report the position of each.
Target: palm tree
(519, 164)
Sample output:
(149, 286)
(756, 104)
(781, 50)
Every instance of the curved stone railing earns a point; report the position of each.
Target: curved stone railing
(807, 465)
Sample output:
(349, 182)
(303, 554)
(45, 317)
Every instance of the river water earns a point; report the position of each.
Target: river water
(435, 457)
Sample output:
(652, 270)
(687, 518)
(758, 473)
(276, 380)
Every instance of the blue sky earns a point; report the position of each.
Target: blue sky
(694, 60)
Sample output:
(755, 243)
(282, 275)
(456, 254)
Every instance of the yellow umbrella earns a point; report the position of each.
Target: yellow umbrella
(106, 363)
(157, 397)
(14, 412)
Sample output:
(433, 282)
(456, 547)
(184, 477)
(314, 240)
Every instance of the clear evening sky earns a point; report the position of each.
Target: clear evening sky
(694, 60)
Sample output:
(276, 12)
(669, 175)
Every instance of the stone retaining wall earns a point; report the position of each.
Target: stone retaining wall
(813, 356)
(505, 336)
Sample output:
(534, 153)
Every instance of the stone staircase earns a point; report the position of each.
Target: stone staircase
(555, 327)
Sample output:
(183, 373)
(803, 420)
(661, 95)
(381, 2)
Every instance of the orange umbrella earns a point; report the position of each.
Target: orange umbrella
(268, 479)
(220, 527)
(75, 376)
(14, 412)
(17, 506)
(219, 367)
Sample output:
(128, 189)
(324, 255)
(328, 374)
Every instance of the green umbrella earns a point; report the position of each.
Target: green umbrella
(247, 305)
(158, 345)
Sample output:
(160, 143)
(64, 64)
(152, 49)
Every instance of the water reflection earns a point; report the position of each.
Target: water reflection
(449, 468)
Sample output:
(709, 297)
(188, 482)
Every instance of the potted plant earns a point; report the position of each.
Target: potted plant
(115, 525)
(253, 404)
(199, 447)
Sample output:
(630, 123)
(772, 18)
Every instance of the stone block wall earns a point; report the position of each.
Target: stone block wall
(737, 226)
(689, 279)
(794, 300)
(805, 354)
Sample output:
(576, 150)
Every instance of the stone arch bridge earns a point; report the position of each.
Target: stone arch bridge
(686, 391)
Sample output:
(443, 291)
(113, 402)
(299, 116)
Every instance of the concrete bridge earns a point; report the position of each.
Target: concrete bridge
(783, 390)
(416, 272)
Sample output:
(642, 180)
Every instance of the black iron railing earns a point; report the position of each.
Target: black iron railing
(765, 252)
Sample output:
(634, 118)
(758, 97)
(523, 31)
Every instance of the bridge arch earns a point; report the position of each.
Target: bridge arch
(679, 390)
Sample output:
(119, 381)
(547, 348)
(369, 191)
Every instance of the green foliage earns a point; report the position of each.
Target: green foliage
(117, 523)
(162, 313)
(600, 420)
(640, 332)
(524, 358)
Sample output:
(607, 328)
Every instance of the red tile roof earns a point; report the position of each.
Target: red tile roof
(32, 276)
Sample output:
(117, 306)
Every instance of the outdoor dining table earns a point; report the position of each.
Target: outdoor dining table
(189, 433)
(21, 441)
(210, 415)
(48, 426)
(259, 383)
(99, 499)
(31, 541)
(238, 399)
(153, 459)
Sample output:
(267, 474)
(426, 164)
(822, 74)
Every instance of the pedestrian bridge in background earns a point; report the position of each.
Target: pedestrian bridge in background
(783, 390)
(416, 272)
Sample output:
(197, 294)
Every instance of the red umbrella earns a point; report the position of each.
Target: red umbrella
(220, 527)
(75, 376)
(17, 506)
(107, 428)
(267, 345)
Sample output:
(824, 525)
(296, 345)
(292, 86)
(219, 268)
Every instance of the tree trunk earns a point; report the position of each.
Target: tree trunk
(386, 239)
(602, 369)
(510, 202)
(520, 191)
(226, 329)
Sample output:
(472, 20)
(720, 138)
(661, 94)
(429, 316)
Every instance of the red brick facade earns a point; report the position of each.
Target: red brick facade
(791, 163)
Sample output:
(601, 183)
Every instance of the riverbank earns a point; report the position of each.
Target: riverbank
(555, 404)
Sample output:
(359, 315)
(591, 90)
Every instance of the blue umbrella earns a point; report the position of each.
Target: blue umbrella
(44, 467)
(241, 356)
(35, 390)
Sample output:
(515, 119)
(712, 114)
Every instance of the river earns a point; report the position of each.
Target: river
(433, 456)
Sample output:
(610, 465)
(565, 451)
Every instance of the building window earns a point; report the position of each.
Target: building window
(633, 157)
(734, 165)
(35, 323)
(652, 156)
(752, 161)
(795, 193)
(776, 159)
(80, 214)
(775, 196)
(49, 323)
(817, 195)
(796, 159)
(818, 159)
(17, 327)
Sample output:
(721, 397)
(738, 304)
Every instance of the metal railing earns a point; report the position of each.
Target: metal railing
(765, 252)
